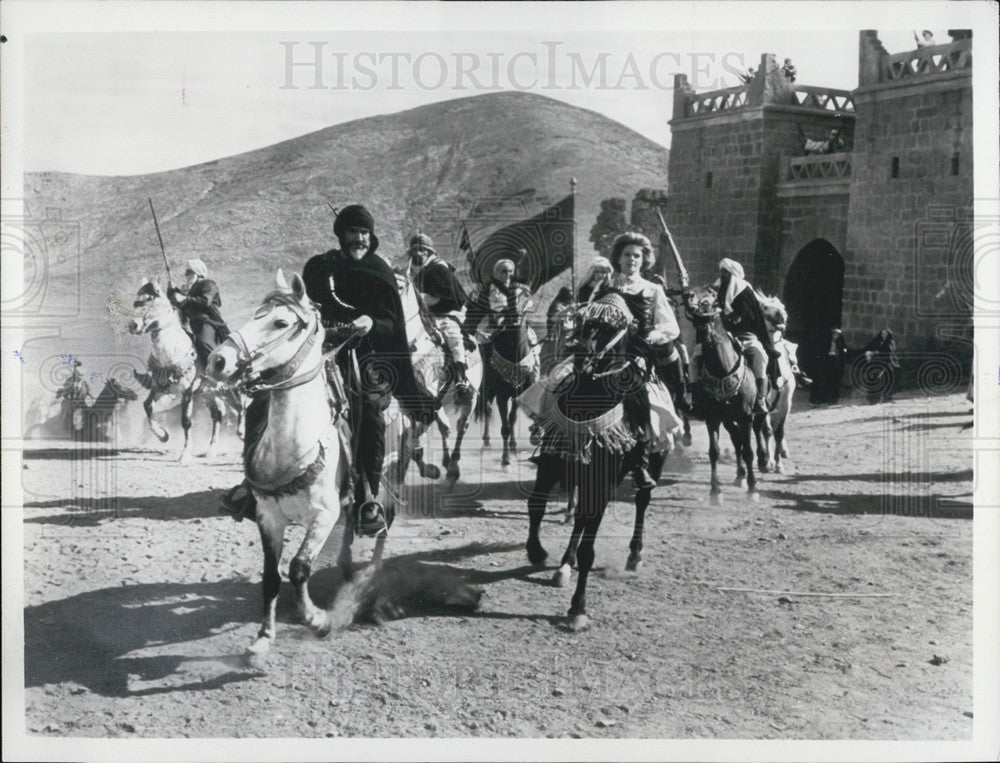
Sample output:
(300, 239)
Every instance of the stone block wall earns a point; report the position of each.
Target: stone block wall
(710, 222)
(808, 216)
(902, 262)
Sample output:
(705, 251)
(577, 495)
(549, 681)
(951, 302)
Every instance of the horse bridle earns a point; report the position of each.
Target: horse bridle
(284, 376)
(724, 387)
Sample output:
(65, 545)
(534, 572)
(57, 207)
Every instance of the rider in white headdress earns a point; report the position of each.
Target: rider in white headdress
(743, 317)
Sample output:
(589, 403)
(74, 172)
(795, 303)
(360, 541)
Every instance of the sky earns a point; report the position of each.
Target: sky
(135, 102)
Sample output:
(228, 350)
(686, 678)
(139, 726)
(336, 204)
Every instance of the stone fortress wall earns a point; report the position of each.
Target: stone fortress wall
(876, 233)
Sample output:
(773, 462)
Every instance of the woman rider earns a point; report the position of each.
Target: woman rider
(657, 326)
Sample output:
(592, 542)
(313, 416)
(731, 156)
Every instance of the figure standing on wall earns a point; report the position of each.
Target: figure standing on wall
(926, 39)
(788, 69)
(826, 388)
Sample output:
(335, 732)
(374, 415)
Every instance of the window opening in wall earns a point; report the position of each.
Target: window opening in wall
(895, 167)
(954, 163)
(708, 180)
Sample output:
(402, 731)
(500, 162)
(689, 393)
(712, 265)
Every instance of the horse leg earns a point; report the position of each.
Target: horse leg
(454, 471)
(737, 440)
(745, 439)
(779, 443)
(445, 454)
(344, 557)
(511, 421)
(642, 498)
(502, 403)
(216, 410)
(545, 480)
(686, 436)
(187, 408)
(715, 489)
(300, 569)
(569, 557)
(162, 434)
(594, 496)
(762, 435)
(571, 498)
(240, 419)
(272, 537)
(487, 415)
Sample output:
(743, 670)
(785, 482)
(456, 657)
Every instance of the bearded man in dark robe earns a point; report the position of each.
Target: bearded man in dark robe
(353, 284)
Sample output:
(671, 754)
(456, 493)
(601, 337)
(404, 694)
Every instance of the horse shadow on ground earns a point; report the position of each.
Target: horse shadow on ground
(88, 639)
(921, 506)
(200, 504)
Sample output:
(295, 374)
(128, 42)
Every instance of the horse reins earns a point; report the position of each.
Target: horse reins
(283, 376)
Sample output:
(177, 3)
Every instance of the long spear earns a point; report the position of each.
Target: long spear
(160, 239)
(682, 271)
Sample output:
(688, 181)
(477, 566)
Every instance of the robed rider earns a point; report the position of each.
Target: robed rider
(199, 302)
(354, 284)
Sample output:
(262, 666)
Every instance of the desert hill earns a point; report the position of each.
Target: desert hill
(248, 214)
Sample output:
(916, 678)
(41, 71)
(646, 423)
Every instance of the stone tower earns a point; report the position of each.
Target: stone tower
(874, 231)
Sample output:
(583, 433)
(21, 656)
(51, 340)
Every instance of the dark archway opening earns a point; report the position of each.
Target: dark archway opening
(814, 298)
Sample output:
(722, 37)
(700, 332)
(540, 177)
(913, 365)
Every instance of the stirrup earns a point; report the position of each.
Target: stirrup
(369, 521)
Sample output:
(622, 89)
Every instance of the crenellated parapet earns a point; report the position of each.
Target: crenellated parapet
(768, 88)
(878, 67)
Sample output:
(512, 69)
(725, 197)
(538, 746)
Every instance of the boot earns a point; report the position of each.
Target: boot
(760, 404)
(463, 389)
(239, 503)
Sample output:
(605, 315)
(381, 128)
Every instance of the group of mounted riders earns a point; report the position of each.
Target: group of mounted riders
(356, 291)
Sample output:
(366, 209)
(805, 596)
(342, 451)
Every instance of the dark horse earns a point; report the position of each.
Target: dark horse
(729, 392)
(510, 366)
(591, 426)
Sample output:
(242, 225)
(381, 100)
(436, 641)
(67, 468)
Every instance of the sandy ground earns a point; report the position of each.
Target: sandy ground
(140, 599)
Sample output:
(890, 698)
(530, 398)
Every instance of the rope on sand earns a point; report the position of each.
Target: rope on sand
(809, 593)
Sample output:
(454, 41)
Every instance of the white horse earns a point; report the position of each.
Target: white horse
(430, 365)
(297, 452)
(774, 423)
(173, 368)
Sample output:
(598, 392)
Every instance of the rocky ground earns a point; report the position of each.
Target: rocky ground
(140, 599)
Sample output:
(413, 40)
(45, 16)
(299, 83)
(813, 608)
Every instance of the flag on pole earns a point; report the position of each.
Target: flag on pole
(546, 241)
(466, 246)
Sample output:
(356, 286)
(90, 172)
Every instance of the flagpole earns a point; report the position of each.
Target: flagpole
(572, 277)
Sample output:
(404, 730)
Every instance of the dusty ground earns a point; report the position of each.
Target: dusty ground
(139, 598)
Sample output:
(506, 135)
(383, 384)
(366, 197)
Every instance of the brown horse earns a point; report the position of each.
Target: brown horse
(729, 392)
(511, 365)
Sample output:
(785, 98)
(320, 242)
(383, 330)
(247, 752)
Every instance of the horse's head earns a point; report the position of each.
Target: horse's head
(153, 309)
(774, 313)
(701, 305)
(603, 328)
(285, 334)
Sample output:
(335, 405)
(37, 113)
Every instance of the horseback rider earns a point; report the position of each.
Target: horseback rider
(199, 301)
(600, 272)
(444, 297)
(502, 298)
(672, 359)
(356, 292)
(743, 317)
(354, 285)
(656, 328)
